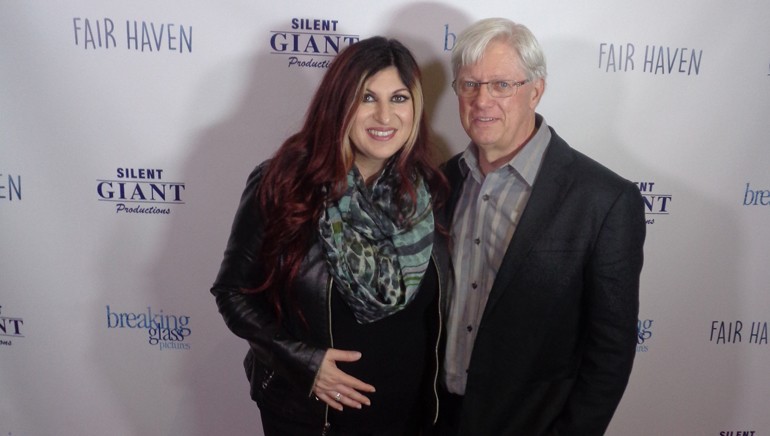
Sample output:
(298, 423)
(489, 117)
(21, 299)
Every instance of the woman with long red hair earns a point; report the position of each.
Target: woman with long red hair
(335, 266)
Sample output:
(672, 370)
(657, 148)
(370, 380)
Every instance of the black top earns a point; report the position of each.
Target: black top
(395, 354)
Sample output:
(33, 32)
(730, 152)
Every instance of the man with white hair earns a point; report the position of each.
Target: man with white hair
(541, 325)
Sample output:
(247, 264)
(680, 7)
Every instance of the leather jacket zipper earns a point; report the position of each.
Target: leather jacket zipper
(327, 424)
(438, 340)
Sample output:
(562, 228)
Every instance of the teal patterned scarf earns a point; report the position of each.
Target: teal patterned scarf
(377, 256)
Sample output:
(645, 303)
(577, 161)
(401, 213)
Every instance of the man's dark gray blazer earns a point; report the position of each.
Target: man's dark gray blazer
(558, 336)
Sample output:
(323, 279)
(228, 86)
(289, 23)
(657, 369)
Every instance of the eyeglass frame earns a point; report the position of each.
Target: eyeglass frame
(514, 84)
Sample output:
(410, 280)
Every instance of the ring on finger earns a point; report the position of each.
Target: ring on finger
(338, 396)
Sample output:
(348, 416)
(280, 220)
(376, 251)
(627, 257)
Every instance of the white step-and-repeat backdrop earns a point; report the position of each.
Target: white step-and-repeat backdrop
(127, 130)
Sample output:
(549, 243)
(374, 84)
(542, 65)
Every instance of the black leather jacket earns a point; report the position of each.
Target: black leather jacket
(283, 360)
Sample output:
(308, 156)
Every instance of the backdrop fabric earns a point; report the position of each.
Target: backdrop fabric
(127, 131)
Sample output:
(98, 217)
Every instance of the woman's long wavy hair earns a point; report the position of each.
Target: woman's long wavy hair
(311, 166)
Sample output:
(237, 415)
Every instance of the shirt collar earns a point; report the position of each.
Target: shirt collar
(526, 162)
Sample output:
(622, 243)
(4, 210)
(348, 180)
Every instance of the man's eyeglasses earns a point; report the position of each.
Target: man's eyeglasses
(496, 88)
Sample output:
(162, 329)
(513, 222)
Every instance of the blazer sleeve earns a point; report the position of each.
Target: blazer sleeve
(611, 313)
(250, 315)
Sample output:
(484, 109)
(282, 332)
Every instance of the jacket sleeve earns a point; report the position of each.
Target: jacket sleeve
(611, 312)
(250, 315)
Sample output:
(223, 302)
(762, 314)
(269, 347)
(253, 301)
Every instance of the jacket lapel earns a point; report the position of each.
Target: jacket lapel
(550, 187)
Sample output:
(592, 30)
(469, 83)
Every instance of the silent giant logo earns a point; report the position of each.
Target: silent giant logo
(310, 42)
(141, 191)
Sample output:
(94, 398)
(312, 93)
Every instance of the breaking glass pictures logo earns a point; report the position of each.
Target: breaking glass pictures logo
(167, 332)
(643, 334)
(143, 191)
(309, 42)
(11, 328)
(756, 196)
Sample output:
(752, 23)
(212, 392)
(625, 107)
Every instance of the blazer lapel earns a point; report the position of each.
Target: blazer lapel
(550, 187)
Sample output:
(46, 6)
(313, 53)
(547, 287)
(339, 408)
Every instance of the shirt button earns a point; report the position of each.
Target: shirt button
(485, 197)
(474, 285)
(469, 328)
(477, 241)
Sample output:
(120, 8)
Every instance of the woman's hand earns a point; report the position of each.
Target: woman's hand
(336, 388)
